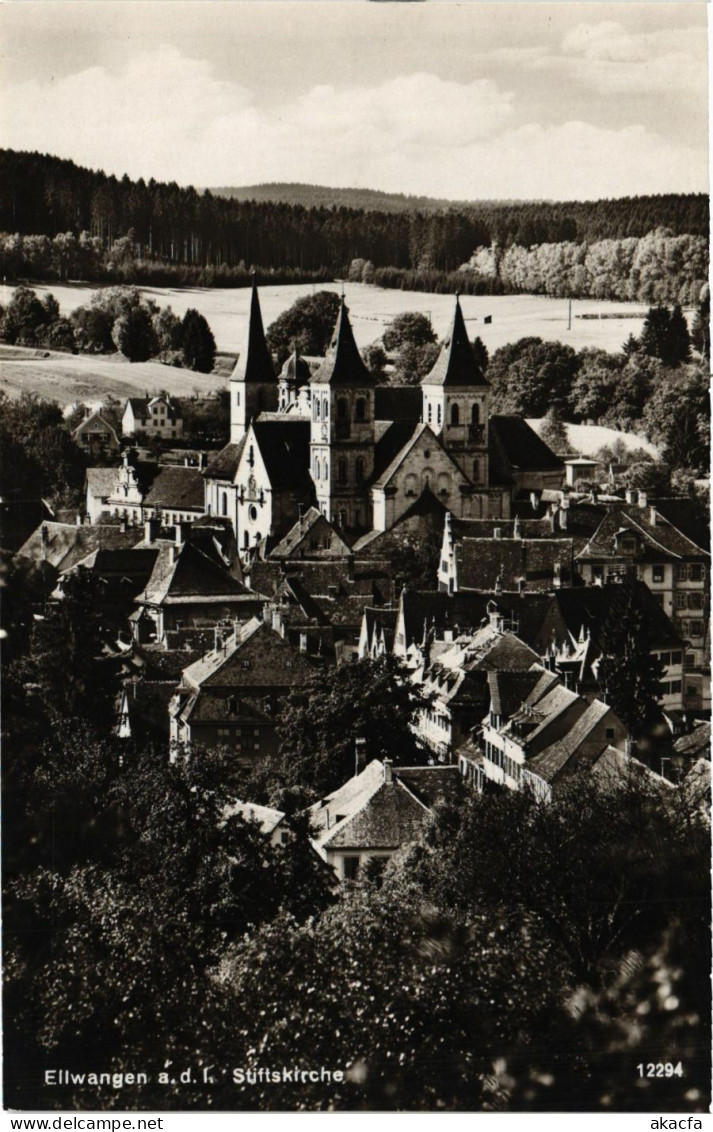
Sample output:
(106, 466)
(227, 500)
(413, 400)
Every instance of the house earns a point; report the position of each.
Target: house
(272, 481)
(313, 537)
(634, 540)
(99, 488)
(63, 545)
(378, 812)
(455, 676)
(159, 416)
(378, 628)
(231, 696)
(499, 564)
(271, 822)
(520, 461)
(95, 435)
(580, 468)
(190, 586)
(173, 494)
(552, 731)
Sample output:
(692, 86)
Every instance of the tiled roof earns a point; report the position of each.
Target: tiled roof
(100, 481)
(392, 447)
(553, 759)
(253, 657)
(509, 528)
(191, 573)
(343, 364)
(300, 531)
(284, 446)
(698, 742)
(482, 561)
(687, 516)
(268, 818)
(584, 609)
(177, 488)
(432, 785)
(63, 545)
(140, 407)
(398, 403)
(347, 799)
(224, 464)
(660, 540)
(96, 416)
(613, 768)
(402, 454)
(456, 365)
(392, 817)
(508, 689)
(514, 446)
(254, 362)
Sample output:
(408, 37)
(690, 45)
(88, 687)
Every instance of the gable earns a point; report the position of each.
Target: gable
(424, 458)
(263, 660)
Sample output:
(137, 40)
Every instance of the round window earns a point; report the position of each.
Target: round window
(253, 513)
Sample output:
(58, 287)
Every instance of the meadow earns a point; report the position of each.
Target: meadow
(88, 378)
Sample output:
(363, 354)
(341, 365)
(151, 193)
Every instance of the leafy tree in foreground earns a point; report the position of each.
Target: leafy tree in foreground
(370, 700)
(198, 342)
(629, 675)
(412, 327)
(677, 418)
(554, 432)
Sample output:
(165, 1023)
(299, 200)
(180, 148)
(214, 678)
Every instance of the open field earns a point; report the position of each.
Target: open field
(89, 377)
(586, 440)
(514, 316)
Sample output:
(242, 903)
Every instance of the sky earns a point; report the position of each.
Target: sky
(456, 100)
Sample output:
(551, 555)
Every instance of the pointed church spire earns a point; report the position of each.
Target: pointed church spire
(343, 364)
(255, 363)
(456, 364)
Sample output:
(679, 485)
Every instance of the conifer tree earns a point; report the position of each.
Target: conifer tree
(629, 675)
(198, 343)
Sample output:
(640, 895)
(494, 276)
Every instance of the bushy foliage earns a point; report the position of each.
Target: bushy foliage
(197, 342)
(307, 326)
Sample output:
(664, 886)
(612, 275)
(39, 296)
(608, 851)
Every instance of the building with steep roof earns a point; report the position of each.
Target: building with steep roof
(95, 435)
(499, 564)
(253, 383)
(520, 461)
(312, 536)
(378, 812)
(231, 696)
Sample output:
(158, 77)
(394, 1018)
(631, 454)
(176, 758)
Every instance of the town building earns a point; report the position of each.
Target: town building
(171, 493)
(232, 695)
(96, 436)
(499, 563)
(159, 416)
(379, 811)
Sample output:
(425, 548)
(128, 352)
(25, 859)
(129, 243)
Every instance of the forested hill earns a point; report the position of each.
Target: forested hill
(322, 196)
(45, 195)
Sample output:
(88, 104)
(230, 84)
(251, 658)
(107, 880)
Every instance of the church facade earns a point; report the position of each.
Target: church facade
(310, 436)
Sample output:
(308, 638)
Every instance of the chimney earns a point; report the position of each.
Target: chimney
(643, 501)
(388, 772)
(516, 527)
(201, 460)
(498, 532)
(652, 516)
(151, 528)
(631, 497)
(359, 755)
(350, 568)
(563, 514)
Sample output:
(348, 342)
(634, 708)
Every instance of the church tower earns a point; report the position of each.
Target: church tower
(456, 403)
(342, 430)
(253, 384)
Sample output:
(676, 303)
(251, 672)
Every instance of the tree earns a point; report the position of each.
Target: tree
(198, 342)
(554, 433)
(630, 346)
(307, 326)
(412, 327)
(135, 336)
(677, 418)
(630, 677)
(375, 358)
(319, 722)
(665, 336)
(482, 356)
(24, 318)
(531, 376)
(169, 331)
(413, 362)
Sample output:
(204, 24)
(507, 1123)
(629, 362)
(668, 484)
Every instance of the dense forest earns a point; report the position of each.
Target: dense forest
(149, 232)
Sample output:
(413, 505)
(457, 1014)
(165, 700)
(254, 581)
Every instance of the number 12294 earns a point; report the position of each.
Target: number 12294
(659, 1069)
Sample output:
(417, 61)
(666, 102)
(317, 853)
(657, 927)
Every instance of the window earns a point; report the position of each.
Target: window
(342, 409)
(695, 601)
(360, 411)
(341, 470)
(252, 512)
(695, 572)
(682, 572)
(315, 409)
(455, 414)
(360, 469)
(246, 664)
(326, 409)
(675, 687)
(439, 417)
(657, 573)
(609, 734)
(475, 414)
(696, 628)
(665, 658)
(676, 658)
(680, 601)
(351, 867)
(224, 503)
(430, 412)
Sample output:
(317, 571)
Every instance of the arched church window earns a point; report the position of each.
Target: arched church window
(360, 412)
(455, 414)
(360, 469)
(317, 406)
(476, 469)
(246, 540)
(439, 417)
(475, 414)
(341, 470)
(342, 409)
(430, 412)
(326, 408)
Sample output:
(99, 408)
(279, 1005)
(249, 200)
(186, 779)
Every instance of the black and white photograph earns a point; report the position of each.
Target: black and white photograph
(355, 558)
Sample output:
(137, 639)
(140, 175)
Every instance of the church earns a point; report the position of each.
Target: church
(328, 436)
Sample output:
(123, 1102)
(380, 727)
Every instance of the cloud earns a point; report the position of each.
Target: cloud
(612, 60)
(168, 116)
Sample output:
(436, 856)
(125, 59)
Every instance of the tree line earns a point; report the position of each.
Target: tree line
(209, 237)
